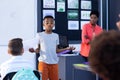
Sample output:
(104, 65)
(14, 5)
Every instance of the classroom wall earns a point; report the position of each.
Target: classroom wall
(62, 25)
(113, 12)
(18, 18)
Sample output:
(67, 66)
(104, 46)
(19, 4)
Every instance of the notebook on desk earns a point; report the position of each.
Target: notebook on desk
(83, 66)
(65, 52)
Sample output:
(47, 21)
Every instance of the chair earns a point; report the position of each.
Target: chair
(11, 74)
(63, 42)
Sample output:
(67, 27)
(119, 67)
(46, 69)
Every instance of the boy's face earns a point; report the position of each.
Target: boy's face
(48, 24)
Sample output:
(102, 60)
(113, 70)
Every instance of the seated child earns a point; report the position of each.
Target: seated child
(17, 62)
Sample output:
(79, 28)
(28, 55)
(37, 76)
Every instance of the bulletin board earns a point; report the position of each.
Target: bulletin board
(70, 15)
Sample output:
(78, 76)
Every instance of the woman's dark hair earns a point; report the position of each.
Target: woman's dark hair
(15, 46)
(94, 13)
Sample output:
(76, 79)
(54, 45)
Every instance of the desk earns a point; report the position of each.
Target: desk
(85, 69)
(66, 66)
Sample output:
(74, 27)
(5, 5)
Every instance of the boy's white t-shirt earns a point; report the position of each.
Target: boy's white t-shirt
(48, 44)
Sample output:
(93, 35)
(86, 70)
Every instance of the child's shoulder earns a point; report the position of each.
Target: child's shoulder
(43, 33)
(55, 33)
(4, 64)
(40, 32)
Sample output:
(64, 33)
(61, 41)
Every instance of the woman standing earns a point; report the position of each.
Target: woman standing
(89, 31)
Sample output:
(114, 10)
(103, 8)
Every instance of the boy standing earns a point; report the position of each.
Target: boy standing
(48, 42)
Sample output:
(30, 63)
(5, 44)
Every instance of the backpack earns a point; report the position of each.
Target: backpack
(25, 74)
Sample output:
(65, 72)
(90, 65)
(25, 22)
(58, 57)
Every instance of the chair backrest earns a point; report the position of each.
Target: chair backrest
(63, 42)
(10, 75)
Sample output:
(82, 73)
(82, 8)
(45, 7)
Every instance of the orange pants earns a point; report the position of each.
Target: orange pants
(49, 71)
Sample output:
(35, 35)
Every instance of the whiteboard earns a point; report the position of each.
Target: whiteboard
(18, 19)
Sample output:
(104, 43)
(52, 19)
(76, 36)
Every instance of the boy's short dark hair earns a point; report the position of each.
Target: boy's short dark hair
(94, 13)
(48, 16)
(15, 46)
(104, 55)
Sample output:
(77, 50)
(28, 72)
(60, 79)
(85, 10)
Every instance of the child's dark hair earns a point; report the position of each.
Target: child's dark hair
(15, 46)
(94, 13)
(48, 16)
(104, 55)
